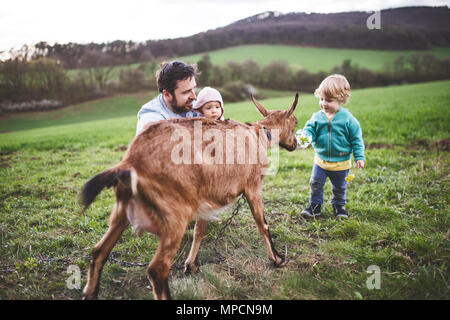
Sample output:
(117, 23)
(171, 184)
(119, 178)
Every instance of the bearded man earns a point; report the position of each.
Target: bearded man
(176, 84)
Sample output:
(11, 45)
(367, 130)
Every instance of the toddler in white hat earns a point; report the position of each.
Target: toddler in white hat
(209, 103)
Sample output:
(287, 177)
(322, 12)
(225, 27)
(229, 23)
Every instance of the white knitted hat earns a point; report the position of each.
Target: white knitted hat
(208, 94)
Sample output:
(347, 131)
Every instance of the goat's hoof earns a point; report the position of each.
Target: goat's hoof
(280, 262)
(89, 297)
(190, 268)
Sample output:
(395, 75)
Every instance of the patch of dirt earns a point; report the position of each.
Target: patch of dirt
(418, 144)
(4, 164)
(76, 174)
(121, 147)
(440, 145)
(376, 145)
(437, 145)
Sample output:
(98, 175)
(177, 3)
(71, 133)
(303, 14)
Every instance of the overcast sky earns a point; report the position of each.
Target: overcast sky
(83, 21)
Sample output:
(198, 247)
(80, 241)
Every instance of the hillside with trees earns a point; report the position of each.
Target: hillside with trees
(46, 77)
(410, 28)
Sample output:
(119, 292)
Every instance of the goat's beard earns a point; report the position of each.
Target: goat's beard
(180, 109)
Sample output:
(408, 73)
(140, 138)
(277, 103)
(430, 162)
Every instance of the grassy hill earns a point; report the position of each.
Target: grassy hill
(391, 103)
(399, 217)
(311, 59)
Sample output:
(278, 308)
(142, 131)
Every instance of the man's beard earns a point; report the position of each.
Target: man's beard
(179, 109)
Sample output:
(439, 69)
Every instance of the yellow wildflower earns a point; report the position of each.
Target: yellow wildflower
(349, 177)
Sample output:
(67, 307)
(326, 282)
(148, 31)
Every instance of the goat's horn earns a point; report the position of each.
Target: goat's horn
(293, 105)
(259, 106)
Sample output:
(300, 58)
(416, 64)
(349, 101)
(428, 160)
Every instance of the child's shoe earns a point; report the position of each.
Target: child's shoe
(312, 211)
(339, 211)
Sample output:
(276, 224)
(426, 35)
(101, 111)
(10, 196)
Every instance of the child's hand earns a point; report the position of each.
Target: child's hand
(360, 164)
(303, 140)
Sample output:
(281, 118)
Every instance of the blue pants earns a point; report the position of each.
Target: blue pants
(338, 185)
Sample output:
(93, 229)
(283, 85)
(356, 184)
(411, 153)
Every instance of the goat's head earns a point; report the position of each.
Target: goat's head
(283, 120)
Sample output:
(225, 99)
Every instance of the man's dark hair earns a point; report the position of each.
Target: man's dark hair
(170, 72)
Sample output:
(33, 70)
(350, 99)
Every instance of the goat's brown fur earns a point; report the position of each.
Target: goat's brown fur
(165, 196)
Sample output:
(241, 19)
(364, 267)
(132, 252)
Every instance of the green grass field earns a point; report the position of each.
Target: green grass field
(311, 59)
(399, 208)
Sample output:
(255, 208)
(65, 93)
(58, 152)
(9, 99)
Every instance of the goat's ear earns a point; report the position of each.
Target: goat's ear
(293, 105)
(258, 105)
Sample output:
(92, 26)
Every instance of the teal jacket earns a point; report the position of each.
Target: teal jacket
(335, 140)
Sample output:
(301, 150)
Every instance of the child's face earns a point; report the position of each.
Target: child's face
(330, 106)
(211, 110)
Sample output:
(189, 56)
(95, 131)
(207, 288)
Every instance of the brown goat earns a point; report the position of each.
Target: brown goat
(156, 195)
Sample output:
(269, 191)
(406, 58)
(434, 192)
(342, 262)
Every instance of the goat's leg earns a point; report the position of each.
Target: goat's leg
(158, 270)
(191, 264)
(254, 200)
(117, 224)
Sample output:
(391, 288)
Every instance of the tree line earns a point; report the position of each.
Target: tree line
(44, 84)
(414, 28)
(278, 75)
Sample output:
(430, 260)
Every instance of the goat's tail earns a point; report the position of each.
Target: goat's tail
(108, 178)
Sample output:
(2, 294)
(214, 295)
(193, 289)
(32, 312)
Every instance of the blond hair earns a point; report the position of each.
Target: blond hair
(334, 87)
